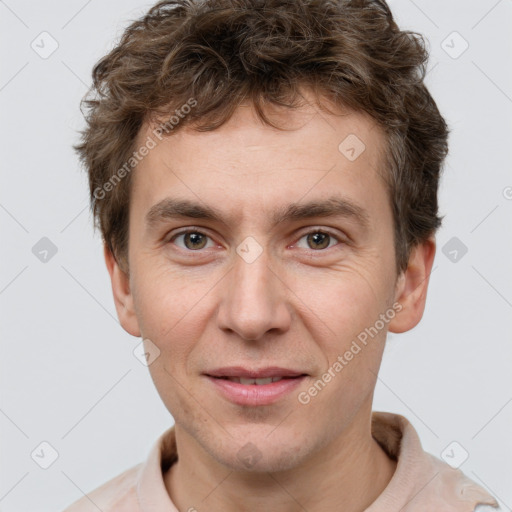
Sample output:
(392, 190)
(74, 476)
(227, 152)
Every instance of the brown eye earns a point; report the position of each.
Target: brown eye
(192, 240)
(318, 240)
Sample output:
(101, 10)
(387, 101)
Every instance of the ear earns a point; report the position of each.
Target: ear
(411, 287)
(123, 298)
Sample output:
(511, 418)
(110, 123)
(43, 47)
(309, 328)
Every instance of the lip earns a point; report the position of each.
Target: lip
(247, 373)
(254, 394)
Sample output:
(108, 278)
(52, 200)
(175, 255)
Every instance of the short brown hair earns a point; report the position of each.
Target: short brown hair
(224, 52)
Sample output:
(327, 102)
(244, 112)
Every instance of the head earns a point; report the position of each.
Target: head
(298, 141)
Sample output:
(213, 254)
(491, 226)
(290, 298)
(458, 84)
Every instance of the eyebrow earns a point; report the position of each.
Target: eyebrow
(171, 208)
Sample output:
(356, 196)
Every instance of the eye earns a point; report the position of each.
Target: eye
(193, 240)
(318, 240)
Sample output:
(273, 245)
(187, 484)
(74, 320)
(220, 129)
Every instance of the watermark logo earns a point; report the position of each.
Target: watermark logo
(146, 352)
(454, 249)
(249, 455)
(455, 454)
(249, 250)
(44, 250)
(454, 45)
(352, 147)
(44, 455)
(44, 45)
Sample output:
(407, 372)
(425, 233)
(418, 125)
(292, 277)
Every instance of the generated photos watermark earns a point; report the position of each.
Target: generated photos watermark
(305, 397)
(149, 144)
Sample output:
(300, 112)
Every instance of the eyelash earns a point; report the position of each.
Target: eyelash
(313, 231)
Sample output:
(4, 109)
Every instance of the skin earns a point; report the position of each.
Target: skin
(295, 306)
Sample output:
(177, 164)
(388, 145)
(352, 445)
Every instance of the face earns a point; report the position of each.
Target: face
(255, 252)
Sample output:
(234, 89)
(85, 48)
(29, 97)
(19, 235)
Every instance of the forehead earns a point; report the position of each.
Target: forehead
(245, 166)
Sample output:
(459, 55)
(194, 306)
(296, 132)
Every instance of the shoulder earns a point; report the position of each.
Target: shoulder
(118, 494)
(423, 481)
(459, 489)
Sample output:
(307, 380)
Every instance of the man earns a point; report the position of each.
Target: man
(264, 174)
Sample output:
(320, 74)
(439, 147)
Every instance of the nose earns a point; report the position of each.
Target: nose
(254, 300)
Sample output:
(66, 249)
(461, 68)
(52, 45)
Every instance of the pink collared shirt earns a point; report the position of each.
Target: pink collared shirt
(421, 482)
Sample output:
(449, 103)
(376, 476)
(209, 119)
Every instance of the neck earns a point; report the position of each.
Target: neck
(350, 472)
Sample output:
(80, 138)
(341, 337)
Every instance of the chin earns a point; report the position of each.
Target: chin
(262, 450)
(251, 459)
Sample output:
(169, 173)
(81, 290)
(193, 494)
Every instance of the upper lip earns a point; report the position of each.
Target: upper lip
(247, 373)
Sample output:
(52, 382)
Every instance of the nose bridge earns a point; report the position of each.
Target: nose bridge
(254, 300)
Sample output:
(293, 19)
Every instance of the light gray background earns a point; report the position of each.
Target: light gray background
(68, 373)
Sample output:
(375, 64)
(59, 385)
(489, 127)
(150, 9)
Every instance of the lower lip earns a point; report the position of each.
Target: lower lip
(253, 394)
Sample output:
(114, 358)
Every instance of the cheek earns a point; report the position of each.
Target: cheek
(342, 303)
(163, 298)
(353, 350)
(345, 307)
(168, 309)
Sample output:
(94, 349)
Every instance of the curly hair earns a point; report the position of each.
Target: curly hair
(224, 52)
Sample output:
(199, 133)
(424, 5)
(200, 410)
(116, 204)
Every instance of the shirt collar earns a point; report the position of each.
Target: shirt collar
(421, 482)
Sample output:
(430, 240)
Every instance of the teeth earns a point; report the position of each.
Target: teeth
(258, 382)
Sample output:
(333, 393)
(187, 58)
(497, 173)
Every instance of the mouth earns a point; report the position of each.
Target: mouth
(254, 387)
(257, 382)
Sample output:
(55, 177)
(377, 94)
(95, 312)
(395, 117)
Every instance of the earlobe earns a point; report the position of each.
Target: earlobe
(123, 297)
(412, 285)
